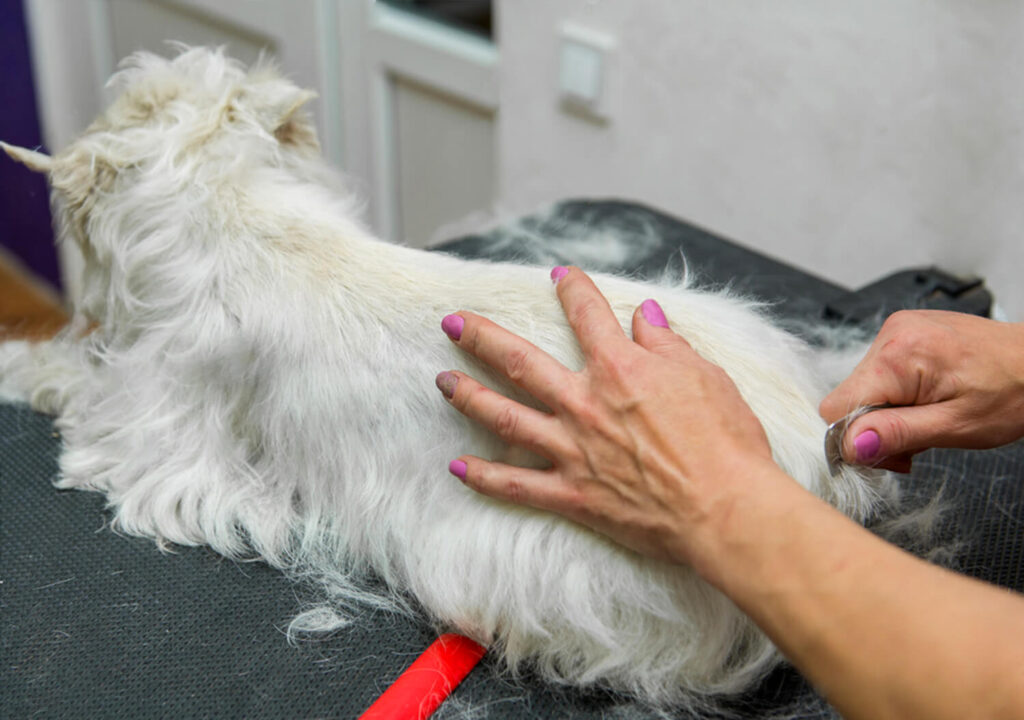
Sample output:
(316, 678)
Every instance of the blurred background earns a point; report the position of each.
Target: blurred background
(847, 139)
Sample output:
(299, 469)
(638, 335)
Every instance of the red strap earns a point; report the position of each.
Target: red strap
(425, 684)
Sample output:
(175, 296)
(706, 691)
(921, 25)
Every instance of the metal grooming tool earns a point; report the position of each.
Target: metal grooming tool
(837, 431)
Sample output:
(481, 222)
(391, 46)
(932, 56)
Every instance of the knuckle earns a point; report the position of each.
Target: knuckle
(897, 434)
(517, 364)
(908, 357)
(582, 312)
(905, 333)
(898, 319)
(902, 322)
(514, 491)
(897, 350)
(506, 424)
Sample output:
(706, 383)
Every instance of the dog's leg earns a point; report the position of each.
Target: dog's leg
(177, 483)
(173, 459)
(44, 374)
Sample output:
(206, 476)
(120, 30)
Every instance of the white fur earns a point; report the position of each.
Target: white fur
(261, 381)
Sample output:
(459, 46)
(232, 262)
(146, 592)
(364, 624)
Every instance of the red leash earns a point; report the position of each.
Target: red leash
(425, 684)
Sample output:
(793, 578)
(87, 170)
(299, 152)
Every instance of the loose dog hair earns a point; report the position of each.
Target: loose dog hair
(259, 379)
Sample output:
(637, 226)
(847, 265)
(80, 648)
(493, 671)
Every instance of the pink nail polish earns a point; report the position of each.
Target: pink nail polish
(458, 469)
(446, 383)
(452, 326)
(867, 445)
(558, 273)
(653, 313)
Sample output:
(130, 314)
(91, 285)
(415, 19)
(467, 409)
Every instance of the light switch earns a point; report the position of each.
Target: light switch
(584, 72)
(582, 66)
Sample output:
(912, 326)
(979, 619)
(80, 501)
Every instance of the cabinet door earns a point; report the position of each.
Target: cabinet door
(419, 102)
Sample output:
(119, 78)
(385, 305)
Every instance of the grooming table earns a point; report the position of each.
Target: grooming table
(97, 625)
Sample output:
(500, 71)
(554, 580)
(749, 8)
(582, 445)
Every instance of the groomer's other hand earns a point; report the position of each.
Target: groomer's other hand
(961, 376)
(649, 443)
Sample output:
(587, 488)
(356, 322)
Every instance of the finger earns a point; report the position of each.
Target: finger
(652, 332)
(872, 382)
(587, 311)
(889, 437)
(519, 360)
(541, 489)
(513, 422)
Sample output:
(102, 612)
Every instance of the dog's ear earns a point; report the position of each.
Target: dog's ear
(295, 129)
(33, 160)
(278, 105)
(79, 174)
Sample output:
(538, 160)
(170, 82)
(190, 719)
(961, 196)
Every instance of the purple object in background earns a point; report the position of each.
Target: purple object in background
(26, 230)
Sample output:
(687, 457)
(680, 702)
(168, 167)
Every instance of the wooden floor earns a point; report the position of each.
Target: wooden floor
(29, 308)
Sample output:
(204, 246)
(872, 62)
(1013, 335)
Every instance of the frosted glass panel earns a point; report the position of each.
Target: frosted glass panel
(445, 160)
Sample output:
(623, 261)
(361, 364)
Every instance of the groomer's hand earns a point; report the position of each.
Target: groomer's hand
(960, 376)
(650, 444)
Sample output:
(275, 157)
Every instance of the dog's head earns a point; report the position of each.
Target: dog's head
(177, 124)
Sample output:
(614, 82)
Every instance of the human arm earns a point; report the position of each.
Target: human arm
(958, 381)
(653, 446)
(881, 633)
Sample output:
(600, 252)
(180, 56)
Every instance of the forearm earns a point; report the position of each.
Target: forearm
(881, 633)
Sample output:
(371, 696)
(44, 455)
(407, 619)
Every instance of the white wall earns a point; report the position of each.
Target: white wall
(849, 139)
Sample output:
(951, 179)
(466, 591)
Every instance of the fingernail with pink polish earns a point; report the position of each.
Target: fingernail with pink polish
(867, 445)
(458, 469)
(653, 313)
(452, 326)
(446, 383)
(558, 273)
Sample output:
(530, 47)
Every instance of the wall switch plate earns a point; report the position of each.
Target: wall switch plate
(585, 72)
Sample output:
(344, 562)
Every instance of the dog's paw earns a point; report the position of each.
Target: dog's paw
(14, 356)
(42, 374)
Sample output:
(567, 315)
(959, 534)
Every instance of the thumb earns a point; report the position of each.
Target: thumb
(651, 332)
(895, 432)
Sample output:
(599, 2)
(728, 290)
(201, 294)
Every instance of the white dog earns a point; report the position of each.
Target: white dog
(261, 380)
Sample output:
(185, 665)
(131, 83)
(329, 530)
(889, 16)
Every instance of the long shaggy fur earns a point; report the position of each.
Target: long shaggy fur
(260, 380)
